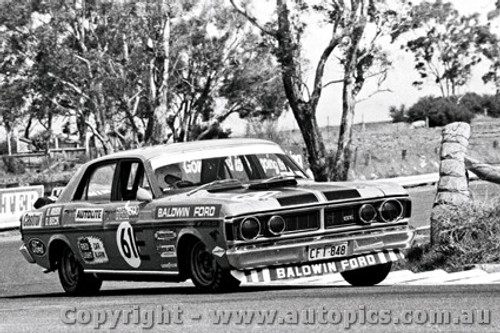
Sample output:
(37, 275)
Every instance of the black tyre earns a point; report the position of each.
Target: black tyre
(367, 276)
(73, 280)
(206, 274)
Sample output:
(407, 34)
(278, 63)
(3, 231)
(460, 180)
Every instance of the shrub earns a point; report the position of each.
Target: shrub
(473, 102)
(470, 234)
(491, 103)
(440, 111)
(398, 115)
(13, 165)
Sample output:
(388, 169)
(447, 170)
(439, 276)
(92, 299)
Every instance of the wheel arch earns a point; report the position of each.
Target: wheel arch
(184, 244)
(56, 246)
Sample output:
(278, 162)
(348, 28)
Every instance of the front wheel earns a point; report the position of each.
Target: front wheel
(367, 276)
(73, 280)
(206, 273)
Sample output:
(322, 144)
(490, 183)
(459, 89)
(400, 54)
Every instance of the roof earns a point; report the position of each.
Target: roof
(189, 147)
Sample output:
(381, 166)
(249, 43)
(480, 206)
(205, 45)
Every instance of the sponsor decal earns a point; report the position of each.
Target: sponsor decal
(319, 269)
(37, 247)
(234, 163)
(167, 251)
(127, 212)
(89, 215)
(218, 252)
(169, 265)
(92, 250)
(53, 220)
(54, 211)
(165, 235)
(53, 216)
(264, 195)
(127, 245)
(187, 211)
(272, 164)
(32, 220)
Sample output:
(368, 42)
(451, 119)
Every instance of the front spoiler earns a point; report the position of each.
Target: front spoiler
(311, 269)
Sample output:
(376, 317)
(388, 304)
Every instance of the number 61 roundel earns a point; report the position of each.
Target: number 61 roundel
(125, 238)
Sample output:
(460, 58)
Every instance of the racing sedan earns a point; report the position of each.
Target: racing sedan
(218, 212)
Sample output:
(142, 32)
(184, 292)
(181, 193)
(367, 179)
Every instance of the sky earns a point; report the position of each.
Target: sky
(399, 80)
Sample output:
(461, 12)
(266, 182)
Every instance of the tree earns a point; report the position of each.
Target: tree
(18, 48)
(115, 67)
(445, 48)
(158, 46)
(220, 68)
(360, 57)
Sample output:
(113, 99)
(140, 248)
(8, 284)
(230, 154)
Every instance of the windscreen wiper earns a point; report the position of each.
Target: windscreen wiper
(218, 185)
(274, 182)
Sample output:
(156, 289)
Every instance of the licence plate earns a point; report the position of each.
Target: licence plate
(327, 251)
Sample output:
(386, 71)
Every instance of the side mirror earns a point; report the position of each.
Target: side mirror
(40, 202)
(144, 195)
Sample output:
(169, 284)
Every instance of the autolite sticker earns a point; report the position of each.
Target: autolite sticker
(187, 211)
(92, 250)
(89, 215)
(310, 269)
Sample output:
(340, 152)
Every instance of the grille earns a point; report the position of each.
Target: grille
(302, 221)
(334, 218)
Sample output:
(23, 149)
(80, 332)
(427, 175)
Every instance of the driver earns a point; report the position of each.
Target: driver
(169, 175)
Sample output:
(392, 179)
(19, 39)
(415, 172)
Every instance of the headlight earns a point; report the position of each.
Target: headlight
(276, 225)
(367, 213)
(391, 210)
(250, 228)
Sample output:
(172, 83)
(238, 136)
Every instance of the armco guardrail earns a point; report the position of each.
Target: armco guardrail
(418, 180)
(411, 181)
(14, 201)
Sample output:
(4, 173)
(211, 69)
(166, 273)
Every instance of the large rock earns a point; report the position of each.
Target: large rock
(453, 185)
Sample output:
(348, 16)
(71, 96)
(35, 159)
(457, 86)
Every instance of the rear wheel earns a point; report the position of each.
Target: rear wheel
(206, 273)
(367, 276)
(73, 280)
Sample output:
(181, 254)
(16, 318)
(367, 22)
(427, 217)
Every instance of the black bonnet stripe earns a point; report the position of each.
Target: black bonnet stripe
(341, 194)
(298, 199)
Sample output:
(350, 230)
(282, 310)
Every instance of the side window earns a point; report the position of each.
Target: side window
(98, 187)
(131, 178)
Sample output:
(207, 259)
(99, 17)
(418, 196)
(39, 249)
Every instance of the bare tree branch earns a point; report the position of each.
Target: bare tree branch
(373, 94)
(333, 82)
(70, 85)
(252, 20)
(320, 70)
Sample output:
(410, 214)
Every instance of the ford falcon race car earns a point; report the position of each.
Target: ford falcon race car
(218, 212)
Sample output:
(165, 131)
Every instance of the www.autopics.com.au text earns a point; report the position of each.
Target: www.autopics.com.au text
(148, 317)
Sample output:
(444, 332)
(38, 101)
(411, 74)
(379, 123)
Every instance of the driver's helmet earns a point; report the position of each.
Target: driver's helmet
(168, 175)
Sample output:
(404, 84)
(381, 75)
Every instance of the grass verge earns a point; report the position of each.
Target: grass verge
(469, 235)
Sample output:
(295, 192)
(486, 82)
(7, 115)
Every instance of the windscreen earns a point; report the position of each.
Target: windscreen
(245, 168)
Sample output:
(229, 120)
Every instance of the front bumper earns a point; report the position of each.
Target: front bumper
(26, 254)
(283, 252)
